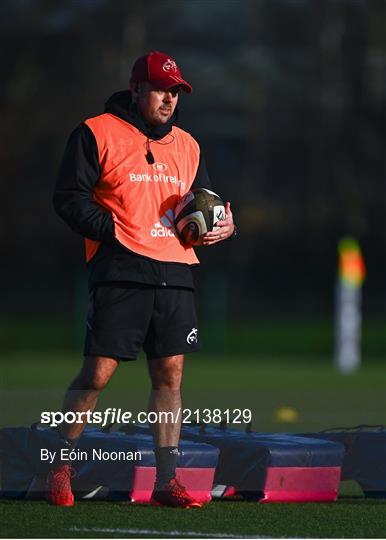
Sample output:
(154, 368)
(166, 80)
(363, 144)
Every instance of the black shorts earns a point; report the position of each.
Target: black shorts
(124, 317)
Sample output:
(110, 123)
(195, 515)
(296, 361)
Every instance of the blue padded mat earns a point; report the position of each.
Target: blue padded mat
(365, 457)
(21, 462)
(244, 457)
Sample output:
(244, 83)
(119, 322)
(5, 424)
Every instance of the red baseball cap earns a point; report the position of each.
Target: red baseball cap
(160, 70)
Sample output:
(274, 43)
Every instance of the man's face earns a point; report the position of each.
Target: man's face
(156, 105)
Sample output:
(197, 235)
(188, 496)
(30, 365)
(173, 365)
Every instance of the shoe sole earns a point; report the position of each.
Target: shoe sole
(153, 502)
(53, 503)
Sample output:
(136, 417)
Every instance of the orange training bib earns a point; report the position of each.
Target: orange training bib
(142, 196)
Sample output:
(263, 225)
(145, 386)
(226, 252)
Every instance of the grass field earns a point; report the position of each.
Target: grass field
(348, 518)
(33, 382)
(323, 399)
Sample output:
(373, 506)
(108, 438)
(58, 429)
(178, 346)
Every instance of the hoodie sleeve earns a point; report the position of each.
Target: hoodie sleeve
(78, 174)
(201, 179)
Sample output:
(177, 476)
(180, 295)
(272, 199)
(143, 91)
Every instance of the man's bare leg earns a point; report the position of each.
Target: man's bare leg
(82, 394)
(165, 396)
(166, 378)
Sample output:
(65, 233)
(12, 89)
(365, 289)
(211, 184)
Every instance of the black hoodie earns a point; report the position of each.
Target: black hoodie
(78, 174)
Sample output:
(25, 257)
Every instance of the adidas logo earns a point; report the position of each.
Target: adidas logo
(164, 227)
(160, 231)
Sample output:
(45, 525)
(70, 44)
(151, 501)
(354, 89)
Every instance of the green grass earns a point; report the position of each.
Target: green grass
(322, 397)
(32, 382)
(348, 518)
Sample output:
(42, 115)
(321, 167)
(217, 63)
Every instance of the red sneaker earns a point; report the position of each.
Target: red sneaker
(59, 490)
(174, 494)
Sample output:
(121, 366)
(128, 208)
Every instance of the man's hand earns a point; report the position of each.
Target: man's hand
(225, 229)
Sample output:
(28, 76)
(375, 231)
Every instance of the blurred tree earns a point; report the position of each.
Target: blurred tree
(289, 104)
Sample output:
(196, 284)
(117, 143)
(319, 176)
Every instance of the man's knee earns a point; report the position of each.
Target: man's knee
(166, 373)
(90, 381)
(167, 381)
(95, 374)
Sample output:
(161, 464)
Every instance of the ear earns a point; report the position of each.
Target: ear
(134, 88)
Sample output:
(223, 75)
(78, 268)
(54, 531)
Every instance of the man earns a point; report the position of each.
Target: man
(121, 172)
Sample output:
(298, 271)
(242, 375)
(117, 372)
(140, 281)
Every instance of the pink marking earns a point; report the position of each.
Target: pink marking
(197, 481)
(306, 482)
(301, 484)
(230, 492)
(297, 484)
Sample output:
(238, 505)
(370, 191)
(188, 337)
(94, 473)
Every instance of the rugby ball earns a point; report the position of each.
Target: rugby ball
(196, 214)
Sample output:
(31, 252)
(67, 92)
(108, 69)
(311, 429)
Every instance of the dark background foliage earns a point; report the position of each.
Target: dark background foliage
(288, 103)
